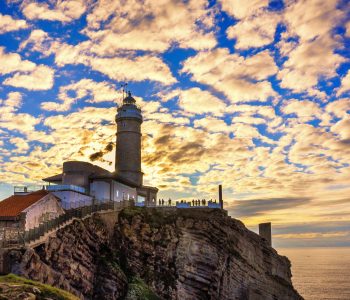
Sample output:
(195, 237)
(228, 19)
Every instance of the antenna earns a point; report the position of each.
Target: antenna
(124, 85)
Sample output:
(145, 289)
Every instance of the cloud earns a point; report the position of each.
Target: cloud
(342, 128)
(308, 62)
(198, 101)
(305, 110)
(212, 125)
(313, 56)
(63, 11)
(21, 145)
(253, 207)
(121, 67)
(151, 26)
(257, 30)
(12, 62)
(240, 9)
(345, 85)
(135, 68)
(41, 78)
(10, 119)
(85, 88)
(240, 79)
(28, 75)
(7, 24)
(38, 40)
(339, 108)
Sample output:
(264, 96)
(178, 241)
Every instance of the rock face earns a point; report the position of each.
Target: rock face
(75, 260)
(178, 254)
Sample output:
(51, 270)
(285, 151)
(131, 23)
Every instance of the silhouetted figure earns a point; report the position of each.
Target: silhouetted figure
(162, 201)
(204, 202)
(169, 202)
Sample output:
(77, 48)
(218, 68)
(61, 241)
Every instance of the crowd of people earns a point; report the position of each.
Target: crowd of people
(194, 202)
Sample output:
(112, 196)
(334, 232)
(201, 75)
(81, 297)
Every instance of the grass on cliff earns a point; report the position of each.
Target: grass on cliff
(139, 290)
(12, 287)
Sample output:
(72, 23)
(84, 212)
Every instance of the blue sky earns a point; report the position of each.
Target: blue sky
(253, 95)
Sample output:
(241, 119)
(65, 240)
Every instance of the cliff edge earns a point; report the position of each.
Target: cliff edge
(159, 254)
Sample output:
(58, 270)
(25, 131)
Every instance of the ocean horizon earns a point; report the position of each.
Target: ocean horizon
(320, 273)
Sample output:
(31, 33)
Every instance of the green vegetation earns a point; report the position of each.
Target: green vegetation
(139, 290)
(14, 287)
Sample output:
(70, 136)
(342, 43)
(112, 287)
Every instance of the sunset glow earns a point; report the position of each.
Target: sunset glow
(253, 95)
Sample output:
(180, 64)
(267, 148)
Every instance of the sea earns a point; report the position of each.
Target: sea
(320, 273)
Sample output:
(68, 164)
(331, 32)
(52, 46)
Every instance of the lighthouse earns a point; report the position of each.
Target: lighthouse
(128, 150)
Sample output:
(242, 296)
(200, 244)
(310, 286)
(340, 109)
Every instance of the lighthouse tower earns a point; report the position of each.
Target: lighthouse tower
(128, 152)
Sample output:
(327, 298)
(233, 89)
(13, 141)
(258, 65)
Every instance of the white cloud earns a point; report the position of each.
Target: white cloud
(95, 91)
(7, 24)
(38, 40)
(198, 101)
(241, 9)
(10, 119)
(254, 31)
(27, 74)
(64, 11)
(240, 79)
(11, 62)
(150, 25)
(313, 57)
(308, 62)
(305, 110)
(41, 78)
(136, 68)
(345, 84)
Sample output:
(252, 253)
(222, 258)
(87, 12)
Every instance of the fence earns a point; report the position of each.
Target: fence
(51, 188)
(26, 237)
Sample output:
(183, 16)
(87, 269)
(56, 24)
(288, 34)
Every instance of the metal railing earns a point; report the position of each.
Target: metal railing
(50, 188)
(65, 187)
(25, 189)
(26, 237)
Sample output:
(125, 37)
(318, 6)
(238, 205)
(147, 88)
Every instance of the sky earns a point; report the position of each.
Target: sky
(253, 95)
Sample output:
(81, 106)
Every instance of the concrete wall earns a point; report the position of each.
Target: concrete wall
(265, 232)
(149, 194)
(112, 190)
(101, 190)
(128, 150)
(72, 199)
(45, 209)
(122, 192)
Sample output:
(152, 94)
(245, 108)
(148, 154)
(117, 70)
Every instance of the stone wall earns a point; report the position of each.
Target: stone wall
(45, 209)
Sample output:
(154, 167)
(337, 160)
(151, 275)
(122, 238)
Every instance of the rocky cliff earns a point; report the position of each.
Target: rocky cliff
(159, 254)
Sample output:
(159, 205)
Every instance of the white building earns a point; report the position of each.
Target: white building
(22, 212)
(82, 183)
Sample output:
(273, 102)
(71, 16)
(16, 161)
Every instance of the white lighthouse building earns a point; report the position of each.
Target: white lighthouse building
(128, 150)
(81, 183)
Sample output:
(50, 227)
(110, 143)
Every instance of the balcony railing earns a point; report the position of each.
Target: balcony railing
(50, 188)
(25, 189)
(65, 187)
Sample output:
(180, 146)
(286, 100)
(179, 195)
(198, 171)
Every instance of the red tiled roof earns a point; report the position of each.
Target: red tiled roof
(14, 205)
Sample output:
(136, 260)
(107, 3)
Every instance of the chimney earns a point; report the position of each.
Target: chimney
(265, 232)
(220, 197)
